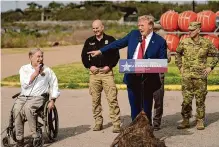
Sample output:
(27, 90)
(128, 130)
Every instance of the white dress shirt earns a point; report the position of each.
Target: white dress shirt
(41, 84)
(147, 39)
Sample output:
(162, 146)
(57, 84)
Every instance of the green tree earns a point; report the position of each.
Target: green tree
(55, 5)
(213, 5)
(11, 16)
(71, 5)
(34, 6)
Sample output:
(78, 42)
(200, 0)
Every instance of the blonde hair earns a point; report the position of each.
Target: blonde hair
(149, 18)
(33, 51)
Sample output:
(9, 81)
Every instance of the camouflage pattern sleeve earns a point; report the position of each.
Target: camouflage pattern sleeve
(212, 51)
(179, 54)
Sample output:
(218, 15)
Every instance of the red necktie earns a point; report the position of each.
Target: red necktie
(141, 52)
(141, 49)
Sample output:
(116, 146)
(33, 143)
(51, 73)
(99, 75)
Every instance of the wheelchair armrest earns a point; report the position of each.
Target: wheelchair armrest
(45, 95)
(16, 95)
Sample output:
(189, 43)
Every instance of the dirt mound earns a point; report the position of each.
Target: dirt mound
(138, 134)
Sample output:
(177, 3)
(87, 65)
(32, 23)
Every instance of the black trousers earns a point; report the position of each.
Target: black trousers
(158, 104)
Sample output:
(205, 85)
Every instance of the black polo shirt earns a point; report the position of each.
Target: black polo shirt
(109, 58)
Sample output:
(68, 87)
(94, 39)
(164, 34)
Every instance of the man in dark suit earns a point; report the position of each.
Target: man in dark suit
(142, 44)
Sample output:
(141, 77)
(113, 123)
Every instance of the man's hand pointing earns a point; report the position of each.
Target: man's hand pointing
(94, 53)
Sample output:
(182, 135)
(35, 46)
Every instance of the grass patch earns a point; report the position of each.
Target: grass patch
(119, 31)
(75, 76)
(24, 40)
(72, 73)
(14, 78)
(63, 34)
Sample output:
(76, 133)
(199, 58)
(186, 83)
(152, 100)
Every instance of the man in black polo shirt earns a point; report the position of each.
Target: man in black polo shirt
(101, 76)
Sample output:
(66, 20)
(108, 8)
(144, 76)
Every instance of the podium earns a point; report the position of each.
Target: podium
(141, 67)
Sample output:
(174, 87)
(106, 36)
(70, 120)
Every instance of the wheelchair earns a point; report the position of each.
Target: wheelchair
(49, 121)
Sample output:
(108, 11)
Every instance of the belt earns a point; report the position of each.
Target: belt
(26, 96)
(42, 95)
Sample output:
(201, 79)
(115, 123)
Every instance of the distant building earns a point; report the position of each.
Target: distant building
(130, 13)
(46, 14)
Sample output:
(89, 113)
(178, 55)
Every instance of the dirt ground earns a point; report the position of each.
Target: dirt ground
(76, 121)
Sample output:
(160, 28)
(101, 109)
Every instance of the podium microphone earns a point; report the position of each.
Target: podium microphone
(41, 66)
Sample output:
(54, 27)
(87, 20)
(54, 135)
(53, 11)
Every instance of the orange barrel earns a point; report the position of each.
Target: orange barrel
(169, 20)
(207, 18)
(172, 41)
(183, 37)
(185, 18)
(214, 39)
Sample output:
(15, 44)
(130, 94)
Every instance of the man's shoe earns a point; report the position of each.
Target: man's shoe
(156, 127)
(20, 143)
(184, 124)
(98, 127)
(116, 129)
(200, 124)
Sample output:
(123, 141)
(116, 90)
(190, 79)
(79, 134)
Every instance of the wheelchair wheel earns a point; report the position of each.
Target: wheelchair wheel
(51, 122)
(5, 141)
(13, 135)
(11, 128)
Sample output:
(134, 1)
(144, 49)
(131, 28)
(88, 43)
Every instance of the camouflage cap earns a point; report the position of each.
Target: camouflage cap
(194, 25)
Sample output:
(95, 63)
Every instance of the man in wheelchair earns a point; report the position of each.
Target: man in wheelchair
(36, 79)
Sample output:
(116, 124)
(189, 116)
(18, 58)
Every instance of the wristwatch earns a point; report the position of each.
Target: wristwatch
(212, 68)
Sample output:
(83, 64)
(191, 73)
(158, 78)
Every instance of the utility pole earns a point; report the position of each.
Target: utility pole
(193, 5)
(16, 2)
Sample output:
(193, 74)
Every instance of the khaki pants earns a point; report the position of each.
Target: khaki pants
(24, 108)
(99, 82)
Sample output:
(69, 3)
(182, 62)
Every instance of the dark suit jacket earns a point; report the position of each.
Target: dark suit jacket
(157, 49)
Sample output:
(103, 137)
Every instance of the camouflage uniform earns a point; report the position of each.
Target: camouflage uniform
(194, 82)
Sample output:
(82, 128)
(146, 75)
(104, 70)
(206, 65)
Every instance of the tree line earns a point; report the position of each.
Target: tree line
(106, 10)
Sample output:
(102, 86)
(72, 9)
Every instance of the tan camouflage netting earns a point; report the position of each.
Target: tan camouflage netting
(139, 133)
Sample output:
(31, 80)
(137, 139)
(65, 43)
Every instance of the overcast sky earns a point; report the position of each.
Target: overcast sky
(12, 5)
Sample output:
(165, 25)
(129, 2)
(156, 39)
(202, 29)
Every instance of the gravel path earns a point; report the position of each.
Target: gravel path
(76, 122)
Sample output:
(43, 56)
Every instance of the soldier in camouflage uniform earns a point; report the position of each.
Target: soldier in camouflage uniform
(194, 70)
